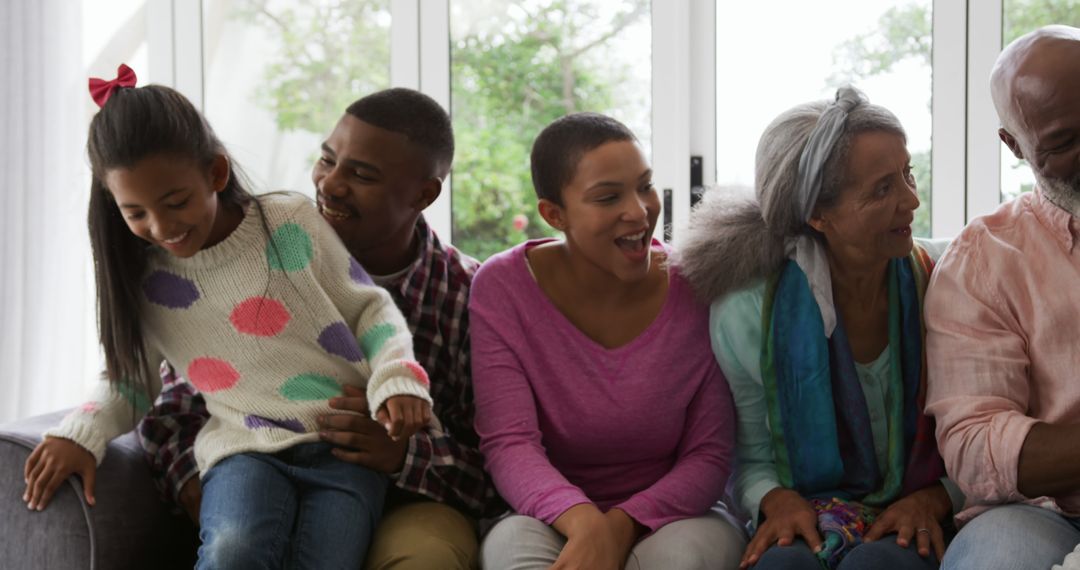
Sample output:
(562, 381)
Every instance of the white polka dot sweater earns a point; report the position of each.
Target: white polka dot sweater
(267, 326)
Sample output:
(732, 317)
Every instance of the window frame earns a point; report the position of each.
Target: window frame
(965, 163)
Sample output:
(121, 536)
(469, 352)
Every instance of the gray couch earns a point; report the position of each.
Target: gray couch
(129, 528)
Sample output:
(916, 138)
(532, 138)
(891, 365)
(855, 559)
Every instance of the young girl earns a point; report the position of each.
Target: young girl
(262, 307)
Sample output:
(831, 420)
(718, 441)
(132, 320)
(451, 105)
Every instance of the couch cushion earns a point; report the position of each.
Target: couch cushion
(128, 528)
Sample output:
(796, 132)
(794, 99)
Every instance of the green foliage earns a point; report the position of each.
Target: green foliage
(1024, 16)
(523, 65)
(920, 165)
(332, 53)
(906, 32)
(903, 32)
(520, 66)
(511, 76)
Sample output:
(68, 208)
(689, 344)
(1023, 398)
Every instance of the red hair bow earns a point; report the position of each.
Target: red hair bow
(101, 90)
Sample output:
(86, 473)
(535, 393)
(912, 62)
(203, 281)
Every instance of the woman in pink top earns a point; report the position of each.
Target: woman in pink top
(605, 422)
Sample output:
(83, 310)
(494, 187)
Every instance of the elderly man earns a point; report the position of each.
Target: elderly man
(1003, 321)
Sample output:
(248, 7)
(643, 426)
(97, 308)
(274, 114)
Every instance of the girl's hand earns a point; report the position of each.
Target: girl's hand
(50, 464)
(919, 515)
(402, 416)
(594, 540)
(787, 515)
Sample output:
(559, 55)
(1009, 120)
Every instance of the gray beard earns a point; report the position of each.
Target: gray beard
(1064, 194)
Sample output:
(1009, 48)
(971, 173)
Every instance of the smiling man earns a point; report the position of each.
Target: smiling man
(1003, 317)
(381, 166)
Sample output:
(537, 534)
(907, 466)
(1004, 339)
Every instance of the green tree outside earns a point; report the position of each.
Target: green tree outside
(531, 63)
(332, 53)
(515, 69)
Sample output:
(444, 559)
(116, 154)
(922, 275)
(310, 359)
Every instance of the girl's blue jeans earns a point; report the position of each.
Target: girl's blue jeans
(298, 508)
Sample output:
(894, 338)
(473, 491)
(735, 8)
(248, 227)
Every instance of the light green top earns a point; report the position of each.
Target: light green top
(735, 331)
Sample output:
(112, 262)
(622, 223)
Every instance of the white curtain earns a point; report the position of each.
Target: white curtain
(47, 325)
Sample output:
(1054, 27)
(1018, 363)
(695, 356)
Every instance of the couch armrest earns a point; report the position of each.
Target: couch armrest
(128, 528)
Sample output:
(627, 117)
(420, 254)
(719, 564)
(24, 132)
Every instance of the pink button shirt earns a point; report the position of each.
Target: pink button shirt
(1003, 343)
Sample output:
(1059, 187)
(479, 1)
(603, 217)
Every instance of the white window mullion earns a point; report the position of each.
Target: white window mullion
(671, 107)
(188, 50)
(435, 82)
(405, 43)
(703, 86)
(983, 146)
(159, 43)
(949, 150)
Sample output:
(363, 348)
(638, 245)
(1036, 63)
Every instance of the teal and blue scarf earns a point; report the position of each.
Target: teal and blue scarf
(821, 437)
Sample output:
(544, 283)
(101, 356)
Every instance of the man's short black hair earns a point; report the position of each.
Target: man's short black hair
(415, 115)
(560, 146)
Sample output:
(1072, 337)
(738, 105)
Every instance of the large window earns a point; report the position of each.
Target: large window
(49, 352)
(278, 74)
(690, 78)
(1018, 18)
(114, 33)
(515, 67)
(775, 54)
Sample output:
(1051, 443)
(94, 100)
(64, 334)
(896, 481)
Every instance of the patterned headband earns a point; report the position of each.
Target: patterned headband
(830, 127)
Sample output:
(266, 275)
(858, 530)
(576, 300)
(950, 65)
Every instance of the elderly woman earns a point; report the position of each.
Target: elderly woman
(816, 321)
(604, 420)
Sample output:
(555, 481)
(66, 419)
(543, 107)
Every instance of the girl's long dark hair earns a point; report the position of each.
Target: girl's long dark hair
(135, 124)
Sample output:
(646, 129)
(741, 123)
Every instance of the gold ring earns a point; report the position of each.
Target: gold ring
(926, 530)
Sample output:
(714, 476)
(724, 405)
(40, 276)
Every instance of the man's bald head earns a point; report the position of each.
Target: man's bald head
(1029, 67)
(1036, 89)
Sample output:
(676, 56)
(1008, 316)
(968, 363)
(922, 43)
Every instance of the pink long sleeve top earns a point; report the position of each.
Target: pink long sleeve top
(648, 427)
(1002, 317)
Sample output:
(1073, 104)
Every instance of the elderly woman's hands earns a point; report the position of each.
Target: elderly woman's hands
(919, 514)
(787, 515)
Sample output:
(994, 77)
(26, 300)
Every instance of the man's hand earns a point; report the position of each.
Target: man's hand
(360, 439)
(916, 517)
(190, 498)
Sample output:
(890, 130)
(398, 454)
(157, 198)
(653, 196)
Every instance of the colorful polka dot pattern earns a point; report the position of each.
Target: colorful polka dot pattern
(338, 340)
(259, 316)
(358, 274)
(259, 422)
(170, 290)
(289, 248)
(305, 387)
(135, 396)
(212, 374)
(419, 372)
(375, 337)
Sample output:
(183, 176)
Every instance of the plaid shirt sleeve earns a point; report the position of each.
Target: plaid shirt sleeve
(446, 468)
(445, 464)
(168, 431)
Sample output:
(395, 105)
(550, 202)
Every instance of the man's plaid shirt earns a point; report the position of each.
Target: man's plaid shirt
(442, 465)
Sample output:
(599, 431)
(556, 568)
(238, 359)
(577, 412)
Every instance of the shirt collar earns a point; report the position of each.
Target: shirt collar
(416, 276)
(1061, 224)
